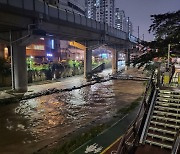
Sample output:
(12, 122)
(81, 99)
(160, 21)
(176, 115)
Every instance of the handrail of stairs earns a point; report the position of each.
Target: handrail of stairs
(176, 144)
(148, 118)
(147, 88)
(98, 68)
(133, 126)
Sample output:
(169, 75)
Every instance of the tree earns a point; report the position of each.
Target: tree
(166, 28)
(5, 68)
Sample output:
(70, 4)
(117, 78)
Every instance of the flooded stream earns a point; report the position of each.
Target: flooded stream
(32, 124)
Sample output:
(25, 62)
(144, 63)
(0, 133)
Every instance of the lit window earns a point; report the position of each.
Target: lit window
(38, 47)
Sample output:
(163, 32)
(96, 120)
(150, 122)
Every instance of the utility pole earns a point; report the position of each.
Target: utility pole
(128, 28)
(138, 34)
(128, 47)
(12, 60)
(169, 48)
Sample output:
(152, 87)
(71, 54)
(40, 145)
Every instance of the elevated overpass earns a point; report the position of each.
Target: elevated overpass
(20, 15)
(24, 21)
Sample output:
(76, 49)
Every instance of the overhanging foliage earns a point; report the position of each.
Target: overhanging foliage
(167, 31)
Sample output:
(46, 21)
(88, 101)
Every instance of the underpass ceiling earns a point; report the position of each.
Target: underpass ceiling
(5, 28)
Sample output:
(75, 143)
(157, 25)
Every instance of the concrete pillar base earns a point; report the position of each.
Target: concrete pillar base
(127, 60)
(87, 64)
(20, 68)
(114, 61)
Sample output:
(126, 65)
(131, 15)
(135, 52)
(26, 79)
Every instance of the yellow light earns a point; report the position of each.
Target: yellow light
(77, 45)
(5, 52)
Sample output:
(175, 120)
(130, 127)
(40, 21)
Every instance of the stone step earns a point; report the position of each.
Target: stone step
(166, 120)
(168, 99)
(160, 137)
(165, 125)
(164, 131)
(167, 108)
(167, 104)
(169, 92)
(159, 144)
(169, 96)
(166, 113)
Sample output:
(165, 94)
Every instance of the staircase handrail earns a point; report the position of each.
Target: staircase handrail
(176, 144)
(148, 118)
(147, 87)
(100, 66)
(134, 123)
(144, 103)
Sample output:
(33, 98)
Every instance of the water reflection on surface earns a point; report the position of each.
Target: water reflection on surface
(38, 120)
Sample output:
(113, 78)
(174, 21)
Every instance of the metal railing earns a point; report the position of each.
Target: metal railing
(131, 138)
(176, 144)
(44, 10)
(137, 131)
(98, 68)
(148, 118)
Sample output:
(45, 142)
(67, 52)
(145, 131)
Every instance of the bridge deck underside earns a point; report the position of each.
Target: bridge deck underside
(13, 18)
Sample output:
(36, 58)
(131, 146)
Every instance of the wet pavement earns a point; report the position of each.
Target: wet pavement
(102, 142)
(29, 125)
(63, 83)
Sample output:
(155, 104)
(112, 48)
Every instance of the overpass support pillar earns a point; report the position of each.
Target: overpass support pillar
(19, 68)
(127, 59)
(2, 46)
(114, 61)
(87, 63)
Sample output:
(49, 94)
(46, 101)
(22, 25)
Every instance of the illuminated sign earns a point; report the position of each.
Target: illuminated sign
(52, 44)
(104, 56)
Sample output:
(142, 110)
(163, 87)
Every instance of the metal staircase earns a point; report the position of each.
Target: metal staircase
(156, 128)
(164, 121)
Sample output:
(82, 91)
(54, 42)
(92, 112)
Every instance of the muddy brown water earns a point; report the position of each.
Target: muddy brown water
(30, 125)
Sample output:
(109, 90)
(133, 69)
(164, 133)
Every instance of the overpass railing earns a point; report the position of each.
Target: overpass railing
(46, 10)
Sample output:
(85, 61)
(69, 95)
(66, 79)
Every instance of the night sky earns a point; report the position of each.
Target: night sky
(139, 12)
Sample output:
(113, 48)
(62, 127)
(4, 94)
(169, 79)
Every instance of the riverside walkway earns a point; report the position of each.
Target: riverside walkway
(103, 142)
(6, 94)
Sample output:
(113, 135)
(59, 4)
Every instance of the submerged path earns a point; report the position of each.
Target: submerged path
(30, 125)
(106, 139)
